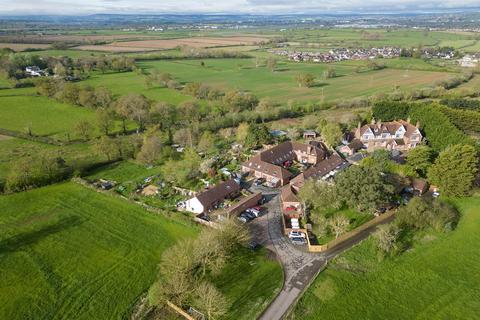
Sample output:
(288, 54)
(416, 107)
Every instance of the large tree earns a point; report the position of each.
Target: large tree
(455, 170)
(364, 188)
(163, 113)
(258, 134)
(134, 107)
(151, 150)
(83, 129)
(332, 133)
(420, 159)
(105, 120)
(305, 80)
(320, 195)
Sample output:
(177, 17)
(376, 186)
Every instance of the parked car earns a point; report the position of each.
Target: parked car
(250, 215)
(298, 241)
(259, 182)
(247, 216)
(296, 234)
(242, 219)
(253, 211)
(381, 210)
(435, 194)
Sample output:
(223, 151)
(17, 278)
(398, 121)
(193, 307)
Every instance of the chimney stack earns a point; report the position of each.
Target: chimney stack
(418, 124)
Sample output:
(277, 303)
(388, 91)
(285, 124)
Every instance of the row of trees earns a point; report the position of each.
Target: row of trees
(185, 269)
(98, 97)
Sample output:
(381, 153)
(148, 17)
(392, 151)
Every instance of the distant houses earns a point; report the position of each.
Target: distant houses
(468, 61)
(34, 71)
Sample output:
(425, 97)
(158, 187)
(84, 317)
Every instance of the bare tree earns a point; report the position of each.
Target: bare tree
(338, 225)
(107, 147)
(83, 129)
(210, 301)
(271, 63)
(150, 151)
(386, 236)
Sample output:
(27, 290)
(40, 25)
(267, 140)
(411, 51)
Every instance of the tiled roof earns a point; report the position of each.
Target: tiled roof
(218, 192)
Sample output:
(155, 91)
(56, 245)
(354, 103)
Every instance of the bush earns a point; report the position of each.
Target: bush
(421, 214)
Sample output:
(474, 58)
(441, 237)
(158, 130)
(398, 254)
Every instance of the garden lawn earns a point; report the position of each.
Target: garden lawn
(123, 172)
(67, 252)
(438, 279)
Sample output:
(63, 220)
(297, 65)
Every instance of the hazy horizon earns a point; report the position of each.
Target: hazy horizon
(260, 7)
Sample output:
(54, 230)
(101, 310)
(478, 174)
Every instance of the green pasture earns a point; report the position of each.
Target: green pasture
(129, 82)
(438, 279)
(78, 155)
(281, 84)
(46, 117)
(20, 109)
(250, 281)
(67, 252)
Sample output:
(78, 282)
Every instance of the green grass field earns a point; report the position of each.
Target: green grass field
(281, 84)
(438, 279)
(78, 155)
(249, 281)
(129, 82)
(67, 252)
(45, 116)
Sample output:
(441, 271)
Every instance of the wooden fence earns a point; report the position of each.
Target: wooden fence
(347, 236)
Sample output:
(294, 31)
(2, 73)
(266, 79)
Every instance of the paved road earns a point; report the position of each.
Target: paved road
(300, 267)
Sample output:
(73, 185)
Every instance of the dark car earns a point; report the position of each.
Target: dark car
(250, 215)
(245, 216)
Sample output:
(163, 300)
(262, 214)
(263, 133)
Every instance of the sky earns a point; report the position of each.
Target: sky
(85, 7)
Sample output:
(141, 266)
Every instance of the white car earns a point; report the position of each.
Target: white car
(254, 211)
(296, 234)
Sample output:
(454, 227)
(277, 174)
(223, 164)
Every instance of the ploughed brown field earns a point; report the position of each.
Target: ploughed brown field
(153, 45)
(24, 46)
(45, 39)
